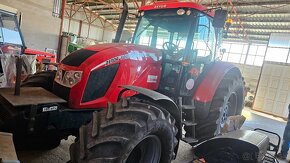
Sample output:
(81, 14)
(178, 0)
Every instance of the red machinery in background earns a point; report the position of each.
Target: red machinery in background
(41, 56)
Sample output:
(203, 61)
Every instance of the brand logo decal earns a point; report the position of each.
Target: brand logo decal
(152, 79)
(160, 6)
(189, 84)
(133, 55)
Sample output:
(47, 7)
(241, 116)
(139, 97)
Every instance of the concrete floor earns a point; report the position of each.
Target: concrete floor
(61, 155)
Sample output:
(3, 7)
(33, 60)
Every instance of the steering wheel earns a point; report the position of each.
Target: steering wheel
(170, 48)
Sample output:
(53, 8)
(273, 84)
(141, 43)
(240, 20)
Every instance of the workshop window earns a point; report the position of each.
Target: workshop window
(56, 8)
(234, 52)
(256, 54)
(277, 54)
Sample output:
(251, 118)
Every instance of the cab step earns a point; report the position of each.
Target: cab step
(190, 140)
(188, 107)
(189, 123)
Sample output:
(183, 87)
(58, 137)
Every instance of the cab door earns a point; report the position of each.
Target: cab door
(201, 55)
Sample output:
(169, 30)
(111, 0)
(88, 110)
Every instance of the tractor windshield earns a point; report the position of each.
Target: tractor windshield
(177, 32)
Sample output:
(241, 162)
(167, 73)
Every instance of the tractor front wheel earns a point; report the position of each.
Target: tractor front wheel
(140, 133)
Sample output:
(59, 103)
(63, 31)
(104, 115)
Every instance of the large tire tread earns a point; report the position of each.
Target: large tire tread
(232, 82)
(115, 136)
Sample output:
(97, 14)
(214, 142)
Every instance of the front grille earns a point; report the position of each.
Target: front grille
(99, 82)
(61, 91)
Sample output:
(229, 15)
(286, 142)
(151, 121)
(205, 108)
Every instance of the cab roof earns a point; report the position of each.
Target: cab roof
(174, 4)
(8, 9)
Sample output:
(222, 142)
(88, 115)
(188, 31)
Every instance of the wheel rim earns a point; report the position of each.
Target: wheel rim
(229, 110)
(147, 151)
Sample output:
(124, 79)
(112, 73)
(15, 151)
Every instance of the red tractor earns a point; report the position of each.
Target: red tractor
(131, 102)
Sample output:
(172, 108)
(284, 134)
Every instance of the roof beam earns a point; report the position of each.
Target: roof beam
(260, 3)
(249, 34)
(111, 13)
(263, 12)
(267, 21)
(113, 17)
(253, 40)
(127, 21)
(257, 23)
(258, 15)
(261, 27)
(108, 8)
(250, 37)
(260, 31)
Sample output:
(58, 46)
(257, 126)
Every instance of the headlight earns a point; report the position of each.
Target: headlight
(68, 78)
(58, 76)
(77, 75)
(180, 12)
(142, 13)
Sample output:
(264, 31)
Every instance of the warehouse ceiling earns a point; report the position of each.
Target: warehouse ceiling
(253, 20)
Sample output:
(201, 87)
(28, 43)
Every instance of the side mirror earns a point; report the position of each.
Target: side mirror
(220, 18)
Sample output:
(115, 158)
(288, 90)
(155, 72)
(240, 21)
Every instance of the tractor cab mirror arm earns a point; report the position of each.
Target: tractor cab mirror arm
(220, 18)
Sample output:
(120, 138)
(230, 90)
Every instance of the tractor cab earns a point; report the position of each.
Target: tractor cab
(186, 38)
(11, 42)
(10, 36)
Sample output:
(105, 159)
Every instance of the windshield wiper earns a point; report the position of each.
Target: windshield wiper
(147, 26)
(206, 41)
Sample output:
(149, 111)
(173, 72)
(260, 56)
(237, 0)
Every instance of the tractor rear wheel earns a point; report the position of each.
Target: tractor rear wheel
(47, 139)
(227, 101)
(140, 133)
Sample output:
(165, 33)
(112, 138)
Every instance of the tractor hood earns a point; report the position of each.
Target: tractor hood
(90, 77)
(96, 56)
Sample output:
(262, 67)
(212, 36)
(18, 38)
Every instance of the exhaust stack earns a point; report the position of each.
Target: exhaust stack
(122, 22)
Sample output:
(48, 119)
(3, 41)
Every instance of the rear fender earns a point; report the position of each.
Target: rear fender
(161, 100)
(208, 84)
